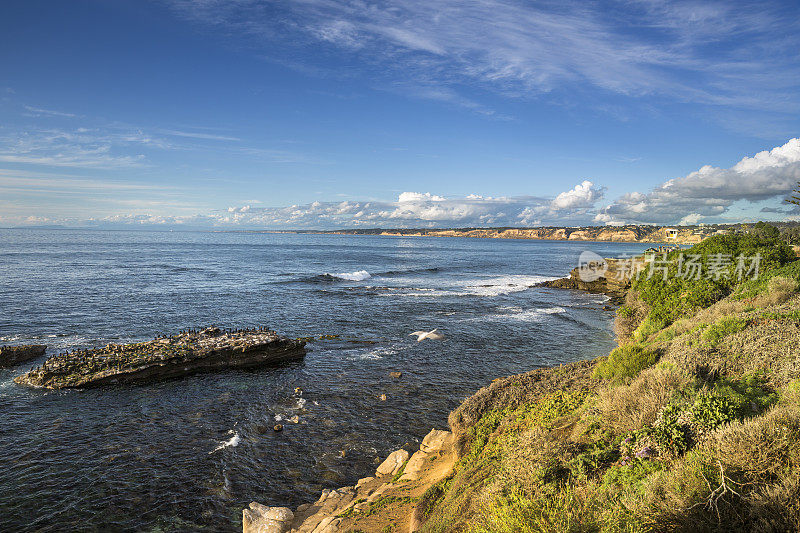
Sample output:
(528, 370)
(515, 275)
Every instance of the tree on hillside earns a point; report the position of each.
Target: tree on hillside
(763, 230)
(794, 196)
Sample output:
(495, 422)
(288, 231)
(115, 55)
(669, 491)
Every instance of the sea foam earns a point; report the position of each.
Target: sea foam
(232, 442)
(359, 275)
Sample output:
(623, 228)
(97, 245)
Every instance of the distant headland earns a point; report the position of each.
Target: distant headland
(789, 231)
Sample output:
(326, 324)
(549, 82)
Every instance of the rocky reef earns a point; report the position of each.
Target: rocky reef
(613, 280)
(165, 357)
(14, 355)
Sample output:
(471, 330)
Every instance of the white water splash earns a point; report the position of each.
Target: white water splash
(232, 442)
(359, 275)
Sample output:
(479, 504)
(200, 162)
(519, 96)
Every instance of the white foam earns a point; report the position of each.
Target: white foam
(503, 284)
(486, 287)
(526, 315)
(232, 442)
(374, 354)
(359, 275)
(301, 402)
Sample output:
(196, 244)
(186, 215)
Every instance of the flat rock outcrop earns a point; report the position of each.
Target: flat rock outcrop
(14, 355)
(166, 357)
(614, 281)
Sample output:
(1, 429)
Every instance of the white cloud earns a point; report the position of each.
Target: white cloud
(415, 209)
(79, 147)
(583, 195)
(203, 136)
(412, 209)
(419, 197)
(711, 191)
(691, 219)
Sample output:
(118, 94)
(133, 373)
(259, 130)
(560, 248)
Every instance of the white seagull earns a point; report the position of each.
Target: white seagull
(433, 335)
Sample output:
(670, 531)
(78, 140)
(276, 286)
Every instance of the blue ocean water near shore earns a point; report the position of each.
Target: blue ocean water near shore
(189, 454)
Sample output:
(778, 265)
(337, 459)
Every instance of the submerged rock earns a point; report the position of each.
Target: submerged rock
(14, 355)
(166, 357)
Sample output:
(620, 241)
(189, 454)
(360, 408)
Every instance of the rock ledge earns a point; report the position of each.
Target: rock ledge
(166, 357)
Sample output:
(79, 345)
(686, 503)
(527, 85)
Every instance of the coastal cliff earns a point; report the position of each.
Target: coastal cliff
(163, 358)
(691, 424)
(654, 234)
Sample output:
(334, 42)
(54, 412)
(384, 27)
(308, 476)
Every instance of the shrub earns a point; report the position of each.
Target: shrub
(631, 475)
(553, 510)
(761, 448)
(752, 288)
(722, 328)
(670, 432)
(778, 290)
(624, 362)
(712, 409)
(628, 408)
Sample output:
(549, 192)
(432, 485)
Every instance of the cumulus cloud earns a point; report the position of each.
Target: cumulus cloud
(416, 197)
(711, 191)
(412, 209)
(416, 209)
(583, 195)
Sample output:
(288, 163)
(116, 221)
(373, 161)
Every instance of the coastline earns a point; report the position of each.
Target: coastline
(690, 424)
(397, 496)
(628, 234)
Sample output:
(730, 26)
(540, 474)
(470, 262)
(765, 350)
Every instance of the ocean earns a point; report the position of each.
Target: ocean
(189, 454)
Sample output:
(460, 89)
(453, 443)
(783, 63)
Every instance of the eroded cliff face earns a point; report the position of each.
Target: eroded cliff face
(613, 281)
(652, 234)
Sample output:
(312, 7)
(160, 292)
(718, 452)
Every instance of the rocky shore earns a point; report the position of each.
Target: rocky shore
(395, 490)
(165, 357)
(14, 355)
(613, 280)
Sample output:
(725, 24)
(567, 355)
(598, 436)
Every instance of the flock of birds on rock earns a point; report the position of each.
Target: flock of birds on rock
(114, 355)
(63, 360)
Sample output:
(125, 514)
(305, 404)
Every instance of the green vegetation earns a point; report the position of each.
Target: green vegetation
(724, 327)
(625, 362)
(692, 424)
(672, 289)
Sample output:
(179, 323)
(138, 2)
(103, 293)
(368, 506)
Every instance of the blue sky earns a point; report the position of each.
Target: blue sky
(323, 113)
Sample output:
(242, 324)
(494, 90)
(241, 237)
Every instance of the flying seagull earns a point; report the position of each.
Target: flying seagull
(433, 335)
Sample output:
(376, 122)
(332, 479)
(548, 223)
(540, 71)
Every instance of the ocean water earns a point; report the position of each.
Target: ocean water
(189, 454)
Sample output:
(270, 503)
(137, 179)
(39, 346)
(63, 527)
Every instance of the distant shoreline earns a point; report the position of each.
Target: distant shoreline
(686, 235)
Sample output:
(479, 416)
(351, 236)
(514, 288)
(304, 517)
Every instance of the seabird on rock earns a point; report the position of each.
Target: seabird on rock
(433, 335)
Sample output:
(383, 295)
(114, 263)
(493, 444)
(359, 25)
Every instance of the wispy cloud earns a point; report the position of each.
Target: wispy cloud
(80, 147)
(38, 111)
(716, 53)
(204, 136)
(37, 182)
